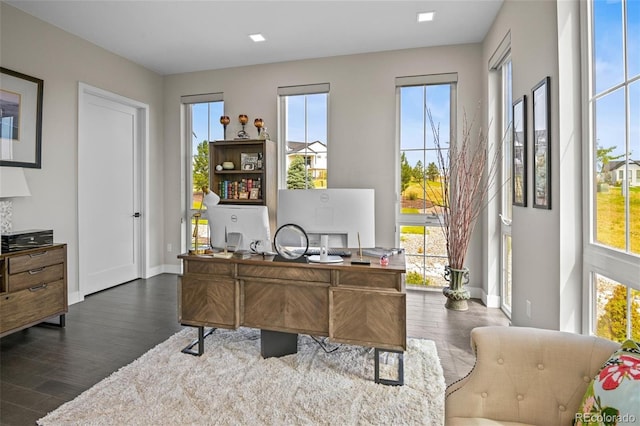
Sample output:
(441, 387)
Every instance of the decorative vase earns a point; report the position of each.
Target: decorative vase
(455, 292)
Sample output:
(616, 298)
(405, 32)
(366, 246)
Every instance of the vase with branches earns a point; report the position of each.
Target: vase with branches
(467, 176)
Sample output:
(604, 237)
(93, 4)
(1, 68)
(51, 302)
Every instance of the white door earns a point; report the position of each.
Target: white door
(108, 192)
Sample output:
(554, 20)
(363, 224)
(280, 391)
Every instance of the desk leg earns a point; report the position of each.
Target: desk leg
(400, 380)
(199, 341)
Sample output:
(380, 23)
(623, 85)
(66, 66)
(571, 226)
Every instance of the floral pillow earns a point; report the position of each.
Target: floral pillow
(613, 396)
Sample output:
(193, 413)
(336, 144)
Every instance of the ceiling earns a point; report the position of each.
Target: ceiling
(178, 36)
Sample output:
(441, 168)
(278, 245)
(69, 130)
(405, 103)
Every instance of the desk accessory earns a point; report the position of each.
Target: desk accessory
(291, 243)
(360, 260)
(224, 254)
(329, 259)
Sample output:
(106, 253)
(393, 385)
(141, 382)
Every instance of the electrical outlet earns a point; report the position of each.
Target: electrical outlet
(169, 248)
(528, 309)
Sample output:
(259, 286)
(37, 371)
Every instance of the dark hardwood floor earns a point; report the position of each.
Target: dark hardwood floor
(42, 367)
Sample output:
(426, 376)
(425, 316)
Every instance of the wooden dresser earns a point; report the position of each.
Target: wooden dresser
(33, 287)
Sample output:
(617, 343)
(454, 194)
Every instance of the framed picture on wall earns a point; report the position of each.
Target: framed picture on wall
(541, 145)
(20, 119)
(519, 149)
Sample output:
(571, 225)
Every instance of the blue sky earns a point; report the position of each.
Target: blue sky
(415, 125)
(608, 60)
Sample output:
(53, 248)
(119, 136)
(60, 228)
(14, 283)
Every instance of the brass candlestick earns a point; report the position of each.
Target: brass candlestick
(224, 120)
(243, 120)
(258, 123)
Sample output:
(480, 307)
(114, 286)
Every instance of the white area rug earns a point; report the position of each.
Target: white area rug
(231, 384)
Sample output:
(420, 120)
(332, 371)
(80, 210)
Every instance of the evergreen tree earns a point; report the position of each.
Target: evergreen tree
(297, 176)
(612, 324)
(201, 166)
(418, 171)
(432, 172)
(405, 172)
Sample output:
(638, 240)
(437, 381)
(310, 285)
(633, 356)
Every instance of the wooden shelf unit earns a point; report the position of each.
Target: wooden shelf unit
(231, 151)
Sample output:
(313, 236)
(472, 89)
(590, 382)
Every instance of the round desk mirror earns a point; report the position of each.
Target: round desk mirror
(291, 242)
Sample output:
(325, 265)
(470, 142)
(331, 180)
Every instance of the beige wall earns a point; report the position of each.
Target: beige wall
(35, 48)
(362, 119)
(547, 251)
(546, 263)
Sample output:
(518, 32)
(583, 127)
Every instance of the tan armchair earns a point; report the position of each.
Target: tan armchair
(525, 376)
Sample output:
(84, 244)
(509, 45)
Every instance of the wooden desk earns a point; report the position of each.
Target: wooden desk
(356, 304)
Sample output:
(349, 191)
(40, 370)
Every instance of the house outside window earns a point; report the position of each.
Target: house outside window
(419, 216)
(202, 125)
(612, 197)
(303, 117)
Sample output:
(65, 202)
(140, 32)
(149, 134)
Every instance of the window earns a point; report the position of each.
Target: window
(203, 125)
(612, 251)
(617, 310)
(303, 113)
(506, 192)
(420, 231)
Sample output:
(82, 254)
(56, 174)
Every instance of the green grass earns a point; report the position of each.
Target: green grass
(433, 191)
(610, 211)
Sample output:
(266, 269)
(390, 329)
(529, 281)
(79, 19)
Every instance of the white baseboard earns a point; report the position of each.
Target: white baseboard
(75, 297)
(491, 301)
(163, 269)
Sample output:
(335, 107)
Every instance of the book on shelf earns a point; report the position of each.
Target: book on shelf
(240, 189)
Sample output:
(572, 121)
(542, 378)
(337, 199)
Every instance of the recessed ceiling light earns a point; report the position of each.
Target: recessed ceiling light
(257, 37)
(426, 16)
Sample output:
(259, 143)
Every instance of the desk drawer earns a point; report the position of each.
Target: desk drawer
(35, 277)
(209, 268)
(289, 272)
(35, 260)
(31, 305)
(370, 279)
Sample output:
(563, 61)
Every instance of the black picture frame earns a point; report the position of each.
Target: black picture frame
(541, 94)
(519, 151)
(20, 119)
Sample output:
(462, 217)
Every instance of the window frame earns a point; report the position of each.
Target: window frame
(425, 220)
(187, 103)
(283, 93)
(618, 265)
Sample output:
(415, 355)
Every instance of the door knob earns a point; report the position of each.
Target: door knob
(136, 214)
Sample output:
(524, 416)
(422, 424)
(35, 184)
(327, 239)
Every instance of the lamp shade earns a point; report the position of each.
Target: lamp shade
(13, 183)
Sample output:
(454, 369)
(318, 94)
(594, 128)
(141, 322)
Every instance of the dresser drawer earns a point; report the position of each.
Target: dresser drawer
(36, 277)
(31, 305)
(31, 261)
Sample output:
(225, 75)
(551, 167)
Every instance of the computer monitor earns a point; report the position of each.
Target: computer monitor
(341, 213)
(229, 221)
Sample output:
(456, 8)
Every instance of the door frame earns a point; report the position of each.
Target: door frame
(142, 123)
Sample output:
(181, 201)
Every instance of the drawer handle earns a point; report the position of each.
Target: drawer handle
(36, 271)
(38, 287)
(42, 253)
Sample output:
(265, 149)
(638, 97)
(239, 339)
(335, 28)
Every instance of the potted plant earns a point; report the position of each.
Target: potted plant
(467, 175)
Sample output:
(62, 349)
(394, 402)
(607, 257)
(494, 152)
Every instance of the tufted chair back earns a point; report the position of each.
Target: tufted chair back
(525, 376)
